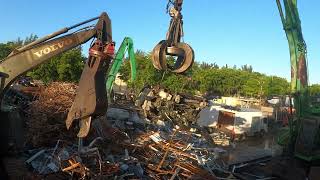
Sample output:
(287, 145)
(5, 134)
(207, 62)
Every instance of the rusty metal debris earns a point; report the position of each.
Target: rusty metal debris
(147, 154)
(156, 139)
(48, 109)
(161, 105)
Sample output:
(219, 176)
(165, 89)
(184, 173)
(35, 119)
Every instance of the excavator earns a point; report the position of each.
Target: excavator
(91, 99)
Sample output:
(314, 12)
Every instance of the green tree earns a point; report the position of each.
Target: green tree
(146, 73)
(205, 65)
(314, 89)
(277, 86)
(30, 39)
(8, 47)
(5, 49)
(247, 68)
(206, 78)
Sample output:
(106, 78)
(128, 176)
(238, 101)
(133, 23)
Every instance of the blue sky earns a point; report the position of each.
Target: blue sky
(233, 32)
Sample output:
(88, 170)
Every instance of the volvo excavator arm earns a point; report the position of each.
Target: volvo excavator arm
(32, 55)
(91, 96)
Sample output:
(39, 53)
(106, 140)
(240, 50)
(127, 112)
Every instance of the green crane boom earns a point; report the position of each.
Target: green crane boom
(299, 74)
(126, 45)
(303, 135)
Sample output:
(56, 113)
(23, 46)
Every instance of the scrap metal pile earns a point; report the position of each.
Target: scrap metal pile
(121, 145)
(156, 137)
(161, 105)
(127, 148)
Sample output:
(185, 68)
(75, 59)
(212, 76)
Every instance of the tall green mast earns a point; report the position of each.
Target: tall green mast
(304, 126)
(298, 50)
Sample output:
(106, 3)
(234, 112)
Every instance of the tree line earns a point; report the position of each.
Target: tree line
(207, 78)
(204, 78)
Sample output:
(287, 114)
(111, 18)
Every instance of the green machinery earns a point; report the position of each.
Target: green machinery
(126, 45)
(302, 137)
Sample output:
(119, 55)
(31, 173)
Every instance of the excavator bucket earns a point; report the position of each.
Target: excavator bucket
(91, 99)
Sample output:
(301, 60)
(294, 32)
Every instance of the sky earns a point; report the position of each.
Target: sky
(233, 32)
